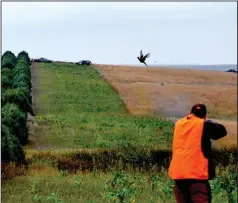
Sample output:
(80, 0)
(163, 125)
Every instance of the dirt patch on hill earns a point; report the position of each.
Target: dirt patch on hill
(35, 129)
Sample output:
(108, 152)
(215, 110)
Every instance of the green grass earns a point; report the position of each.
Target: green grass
(95, 187)
(74, 188)
(103, 131)
(70, 89)
(76, 108)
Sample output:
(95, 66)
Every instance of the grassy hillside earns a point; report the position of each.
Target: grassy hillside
(70, 89)
(84, 141)
(77, 109)
(171, 92)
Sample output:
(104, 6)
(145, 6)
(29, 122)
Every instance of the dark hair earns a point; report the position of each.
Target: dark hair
(199, 110)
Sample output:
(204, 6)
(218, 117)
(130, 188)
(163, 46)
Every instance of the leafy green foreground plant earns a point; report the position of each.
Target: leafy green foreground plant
(160, 191)
(52, 198)
(37, 198)
(120, 189)
(225, 184)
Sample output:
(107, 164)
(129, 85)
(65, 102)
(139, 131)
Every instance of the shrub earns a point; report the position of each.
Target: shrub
(23, 85)
(18, 96)
(7, 54)
(16, 120)
(12, 150)
(21, 68)
(22, 62)
(8, 63)
(16, 103)
(21, 82)
(2, 93)
(6, 82)
(24, 54)
(8, 60)
(22, 77)
(6, 71)
(6, 79)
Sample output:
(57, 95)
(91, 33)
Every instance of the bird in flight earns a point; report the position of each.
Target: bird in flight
(143, 58)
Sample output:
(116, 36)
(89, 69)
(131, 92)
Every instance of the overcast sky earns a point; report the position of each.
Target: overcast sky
(114, 33)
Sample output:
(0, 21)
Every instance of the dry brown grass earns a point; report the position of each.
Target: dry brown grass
(231, 138)
(143, 92)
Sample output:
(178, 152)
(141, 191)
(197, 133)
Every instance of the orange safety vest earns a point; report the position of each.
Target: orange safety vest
(188, 161)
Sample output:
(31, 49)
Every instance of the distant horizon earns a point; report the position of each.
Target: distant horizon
(184, 64)
(122, 64)
(214, 67)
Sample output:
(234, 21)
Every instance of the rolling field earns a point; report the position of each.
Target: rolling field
(82, 137)
(144, 93)
(75, 108)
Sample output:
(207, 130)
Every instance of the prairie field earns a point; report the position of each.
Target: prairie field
(96, 127)
(75, 108)
(171, 92)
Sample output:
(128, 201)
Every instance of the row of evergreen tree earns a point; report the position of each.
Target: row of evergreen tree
(16, 104)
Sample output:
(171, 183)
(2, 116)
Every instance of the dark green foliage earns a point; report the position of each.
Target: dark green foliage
(120, 189)
(6, 71)
(8, 60)
(22, 78)
(20, 68)
(12, 150)
(8, 63)
(22, 62)
(2, 91)
(16, 120)
(18, 96)
(6, 82)
(21, 84)
(25, 55)
(16, 102)
(8, 54)
(6, 78)
(226, 179)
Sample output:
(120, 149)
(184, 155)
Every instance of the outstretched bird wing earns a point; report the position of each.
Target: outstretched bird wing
(141, 55)
(146, 56)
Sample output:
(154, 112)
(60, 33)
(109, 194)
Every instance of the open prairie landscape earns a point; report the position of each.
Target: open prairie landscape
(171, 92)
(78, 126)
(97, 126)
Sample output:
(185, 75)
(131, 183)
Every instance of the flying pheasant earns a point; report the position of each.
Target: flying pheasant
(143, 58)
